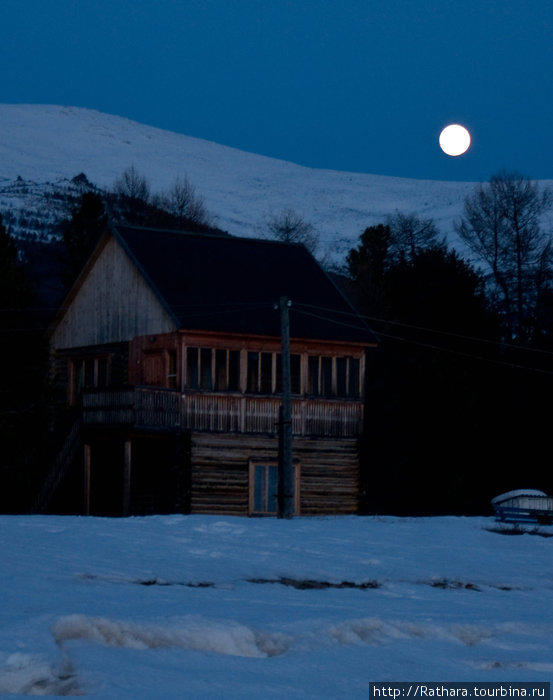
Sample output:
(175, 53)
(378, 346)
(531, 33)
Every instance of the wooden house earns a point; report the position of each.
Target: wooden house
(168, 348)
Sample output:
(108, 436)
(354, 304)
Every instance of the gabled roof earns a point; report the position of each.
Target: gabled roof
(211, 282)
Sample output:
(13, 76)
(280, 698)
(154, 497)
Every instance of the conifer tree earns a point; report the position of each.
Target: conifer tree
(23, 378)
(81, 232)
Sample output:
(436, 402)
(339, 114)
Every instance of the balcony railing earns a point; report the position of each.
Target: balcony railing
(152, 408)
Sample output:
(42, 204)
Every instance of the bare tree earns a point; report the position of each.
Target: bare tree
(132, 184)
(289, 227)
(502, 226)
(409, 235)
(183, 202)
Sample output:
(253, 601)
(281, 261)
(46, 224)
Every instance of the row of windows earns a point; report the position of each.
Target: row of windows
(219, 370)
(214, 370)
(232, 370)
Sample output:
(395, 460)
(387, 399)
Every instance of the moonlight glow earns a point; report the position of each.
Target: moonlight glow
(454, 140)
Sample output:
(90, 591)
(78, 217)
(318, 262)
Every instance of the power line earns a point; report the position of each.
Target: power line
(451, 334)
(222, 308)
(331, 320)
(430, 346)
(460, 353)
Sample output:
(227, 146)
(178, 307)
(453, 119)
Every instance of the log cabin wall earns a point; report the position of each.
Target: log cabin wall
(220, 473)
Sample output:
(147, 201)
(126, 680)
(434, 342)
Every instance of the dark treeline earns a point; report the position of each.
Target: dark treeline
(24, 391)
(456, 407)
(457, 390)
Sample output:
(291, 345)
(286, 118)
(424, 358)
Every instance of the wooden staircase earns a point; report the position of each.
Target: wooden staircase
(62, 463)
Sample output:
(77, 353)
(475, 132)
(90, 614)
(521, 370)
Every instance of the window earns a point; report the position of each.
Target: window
(233, 370)
(221, 371)
(206, 369)
(192, 368)
(341, 376)
(253, 372)
(227, 370)
(211, 369)
(172, 369)
(199, 369)
(261, 373)
(354, 378)
(295, 374)
(88, 373)
(265, 373)
(264, 488)
(347, 377)
(327, 376)
(320, 375)
(313, 376)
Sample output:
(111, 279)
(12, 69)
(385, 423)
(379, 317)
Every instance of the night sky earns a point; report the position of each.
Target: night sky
(356, 85)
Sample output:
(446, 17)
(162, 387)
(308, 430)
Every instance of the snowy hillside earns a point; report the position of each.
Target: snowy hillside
(218, 607)
(50, 144)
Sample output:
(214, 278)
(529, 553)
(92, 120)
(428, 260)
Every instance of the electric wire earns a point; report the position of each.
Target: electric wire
(451, 334)
(437, 348)
(222, 308)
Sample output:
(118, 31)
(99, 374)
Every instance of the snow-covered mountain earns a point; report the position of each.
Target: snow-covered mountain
(53, 144)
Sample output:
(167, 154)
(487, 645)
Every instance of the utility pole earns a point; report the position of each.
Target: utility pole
(286, 485)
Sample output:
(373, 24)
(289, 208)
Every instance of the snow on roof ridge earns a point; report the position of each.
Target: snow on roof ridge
(517, 492)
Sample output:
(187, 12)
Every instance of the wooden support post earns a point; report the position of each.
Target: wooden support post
(127, 454)
(86, 485)
(286, 485)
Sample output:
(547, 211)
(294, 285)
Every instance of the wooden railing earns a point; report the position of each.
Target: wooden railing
(154, 408)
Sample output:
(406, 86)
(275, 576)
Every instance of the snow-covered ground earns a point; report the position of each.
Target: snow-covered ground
(217, 607)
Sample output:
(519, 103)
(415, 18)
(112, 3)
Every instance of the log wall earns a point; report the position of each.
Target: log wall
(220, 473)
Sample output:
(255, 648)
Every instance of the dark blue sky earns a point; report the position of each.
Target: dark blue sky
(360, 85)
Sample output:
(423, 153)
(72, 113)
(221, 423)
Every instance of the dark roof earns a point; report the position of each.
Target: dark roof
(229, 284)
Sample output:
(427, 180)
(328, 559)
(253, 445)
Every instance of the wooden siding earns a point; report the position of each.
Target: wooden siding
(220, 473)
(112, 303)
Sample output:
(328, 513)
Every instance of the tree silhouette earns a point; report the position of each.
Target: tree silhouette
(289, 227)
(23, 378)
(501, 225)
(81, 232)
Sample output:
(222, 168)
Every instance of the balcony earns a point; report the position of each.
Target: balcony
(152, 408)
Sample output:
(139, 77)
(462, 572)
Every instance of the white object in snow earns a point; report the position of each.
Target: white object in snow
(524, 505)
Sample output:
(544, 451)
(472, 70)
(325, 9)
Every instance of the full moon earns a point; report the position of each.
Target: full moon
(454, 140)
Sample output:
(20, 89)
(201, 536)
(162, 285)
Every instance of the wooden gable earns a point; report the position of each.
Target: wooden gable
(110, 302)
